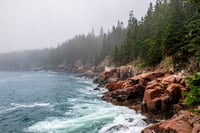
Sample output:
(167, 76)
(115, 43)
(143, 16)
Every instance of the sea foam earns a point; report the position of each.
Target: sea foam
(119, 116)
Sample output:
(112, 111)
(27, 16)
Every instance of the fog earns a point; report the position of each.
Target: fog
(35, 24)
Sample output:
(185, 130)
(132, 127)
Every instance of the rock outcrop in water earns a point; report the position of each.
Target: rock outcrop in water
(115, 74)
(158, 95)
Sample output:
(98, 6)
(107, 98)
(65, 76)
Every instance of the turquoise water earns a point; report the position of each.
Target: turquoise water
(49, 102)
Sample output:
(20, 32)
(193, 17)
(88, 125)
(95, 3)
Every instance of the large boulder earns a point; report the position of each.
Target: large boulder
(162, 93)
(156, 92)
(173, 79)
(114, 74)
(183, 122)
(115, 85)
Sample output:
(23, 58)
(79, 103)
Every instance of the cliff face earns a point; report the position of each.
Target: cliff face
(158, 95)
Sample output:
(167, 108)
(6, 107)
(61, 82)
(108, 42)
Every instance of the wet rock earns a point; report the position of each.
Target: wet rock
(89, 73)
(96, 89)
(116, 128)
(183, 122)
(161, 94)
(137, 108)
(176, 108)
(155, 92)
(121, 98)
(113, 74)
(178, 124)
(150, 121)
(194, 120)
(115, 85)
(129, 119)
(196, 127)
(151, 129)
(173, 79)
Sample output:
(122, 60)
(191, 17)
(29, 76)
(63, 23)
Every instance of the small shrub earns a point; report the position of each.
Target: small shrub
(193, 95)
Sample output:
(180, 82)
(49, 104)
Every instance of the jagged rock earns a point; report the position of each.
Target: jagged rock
(116, 128)
(96, 89)
(196, 127)
(177, 124)
(151, 129)
(148, 76)
(162, 93)
(150, 120)
(129, 119)
(155, 100)
(173, 79)
(176, 108)
(154, 84)
(115, 85)
(113, 74)
(89, 73)
(194, 120)
(157, 92)
(183, 122)
(121, 98)
(175, 91)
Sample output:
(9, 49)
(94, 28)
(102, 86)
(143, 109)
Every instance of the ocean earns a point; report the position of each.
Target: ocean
(51, 102)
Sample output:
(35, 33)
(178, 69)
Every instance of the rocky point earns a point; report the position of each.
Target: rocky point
(158, 95)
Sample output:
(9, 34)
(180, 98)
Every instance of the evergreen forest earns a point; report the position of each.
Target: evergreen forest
(170, 28)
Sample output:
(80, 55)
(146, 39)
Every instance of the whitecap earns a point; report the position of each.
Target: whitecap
(15, 106)
(32, 105)
(70, 124)
(85, 81)
(119, 115)
(127, 122)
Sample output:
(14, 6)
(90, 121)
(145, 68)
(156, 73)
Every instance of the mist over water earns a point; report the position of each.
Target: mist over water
(48, 102)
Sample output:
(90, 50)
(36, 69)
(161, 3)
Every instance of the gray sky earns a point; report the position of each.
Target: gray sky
(35, 24)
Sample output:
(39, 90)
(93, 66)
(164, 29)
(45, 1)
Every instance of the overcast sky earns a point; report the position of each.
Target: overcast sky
(35, 24)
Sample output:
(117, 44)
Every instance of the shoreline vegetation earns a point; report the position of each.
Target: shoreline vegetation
(148, 66)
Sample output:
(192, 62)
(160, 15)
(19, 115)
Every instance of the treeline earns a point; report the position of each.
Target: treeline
(170, 28)
(82, 49)
(88, 49)
(25, 59)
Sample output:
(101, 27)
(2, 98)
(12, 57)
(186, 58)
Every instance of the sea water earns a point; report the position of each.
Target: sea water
(49, 102)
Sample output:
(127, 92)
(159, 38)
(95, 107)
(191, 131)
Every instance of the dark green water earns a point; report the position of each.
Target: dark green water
(49, 102)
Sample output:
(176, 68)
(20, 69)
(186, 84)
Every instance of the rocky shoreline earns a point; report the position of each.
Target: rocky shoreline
(157, 95)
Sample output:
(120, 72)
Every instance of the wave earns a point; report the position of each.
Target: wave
(127, 120)
(126, 123)
(36, 104)
(15, 106)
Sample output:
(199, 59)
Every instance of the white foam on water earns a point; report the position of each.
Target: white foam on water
(86, 81)
(70, 124)
(119, 115)
(126, 122)
(17, 106)
(84, 112)
(36, 104)
(49, 75)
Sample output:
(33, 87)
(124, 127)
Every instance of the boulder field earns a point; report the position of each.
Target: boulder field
(157, 95)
